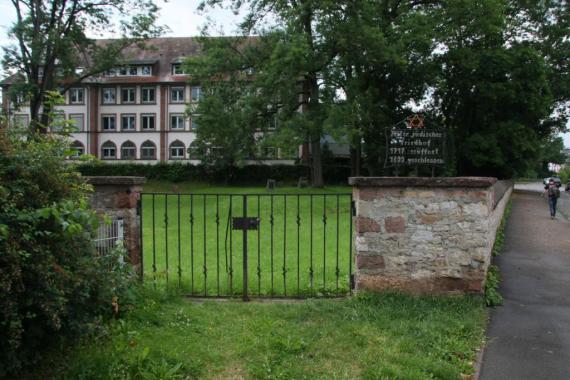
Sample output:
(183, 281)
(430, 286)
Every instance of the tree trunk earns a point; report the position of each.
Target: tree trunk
(317, 179)
(355, 155)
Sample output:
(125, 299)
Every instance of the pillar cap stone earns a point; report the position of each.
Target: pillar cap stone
(472, 182)
(115, 180)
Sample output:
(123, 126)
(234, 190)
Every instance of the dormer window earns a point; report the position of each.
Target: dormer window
(76, 96)
(177, 69)
(146, 70)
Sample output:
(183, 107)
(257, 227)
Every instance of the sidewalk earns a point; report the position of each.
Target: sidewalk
(529, 336)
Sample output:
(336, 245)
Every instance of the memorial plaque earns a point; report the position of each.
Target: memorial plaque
(410, 143)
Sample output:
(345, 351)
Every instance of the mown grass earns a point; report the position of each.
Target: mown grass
(302, 246)
(386, 336)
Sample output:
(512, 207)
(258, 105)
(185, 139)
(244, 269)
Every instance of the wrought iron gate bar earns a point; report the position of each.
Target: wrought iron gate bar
(206, 216)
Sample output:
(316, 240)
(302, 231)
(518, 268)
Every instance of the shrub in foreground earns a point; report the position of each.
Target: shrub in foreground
(52, 283)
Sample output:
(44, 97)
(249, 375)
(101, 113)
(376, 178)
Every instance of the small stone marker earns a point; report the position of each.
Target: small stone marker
(303, 182)
(271, 185)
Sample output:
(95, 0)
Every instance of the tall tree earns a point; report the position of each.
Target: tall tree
(53, 51)
(291, 79)
(496, 94)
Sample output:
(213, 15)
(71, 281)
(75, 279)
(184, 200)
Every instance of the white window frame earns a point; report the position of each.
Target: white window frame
(105, 149)
(177, 69)
(195, 94)
(77, 95)
(133, 148)
(150, 117)
(176, 90)
(143, 148)
(128, 91)
(177, 149)
(109, 91)
(109, 117)
(180, 122)
(79, 151)
(75, 117)
(193, 125)
(129, 116)
(146, 71)
(147, 91)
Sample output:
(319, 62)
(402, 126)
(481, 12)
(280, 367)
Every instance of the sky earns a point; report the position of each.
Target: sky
(179, 15)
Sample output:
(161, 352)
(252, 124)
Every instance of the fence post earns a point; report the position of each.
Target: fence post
(245, 279)
(118, 198)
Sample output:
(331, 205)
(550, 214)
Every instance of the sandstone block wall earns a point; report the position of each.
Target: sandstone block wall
(426, 235)
(117, 197)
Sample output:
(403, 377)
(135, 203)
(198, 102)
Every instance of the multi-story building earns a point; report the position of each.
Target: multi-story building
(135, 112)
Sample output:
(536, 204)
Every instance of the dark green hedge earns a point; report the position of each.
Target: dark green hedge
(249, 174)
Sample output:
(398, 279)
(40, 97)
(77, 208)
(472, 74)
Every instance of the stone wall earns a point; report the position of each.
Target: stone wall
(117, 197)
(426, 235)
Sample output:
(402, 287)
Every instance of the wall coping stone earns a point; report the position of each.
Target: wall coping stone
(432, 182)
(115, 180)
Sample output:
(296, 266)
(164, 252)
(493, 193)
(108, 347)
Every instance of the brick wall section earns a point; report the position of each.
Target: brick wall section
(425, 235)
(117, 197)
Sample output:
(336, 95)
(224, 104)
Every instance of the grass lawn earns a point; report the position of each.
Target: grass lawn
(302, 246)
(370, 336)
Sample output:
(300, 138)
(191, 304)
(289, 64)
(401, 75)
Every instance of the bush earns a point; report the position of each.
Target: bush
(53, 284)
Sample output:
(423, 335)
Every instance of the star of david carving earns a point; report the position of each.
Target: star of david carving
(415, 121)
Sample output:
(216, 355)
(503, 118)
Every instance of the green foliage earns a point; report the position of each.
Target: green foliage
(500, 237)
(368, 336)
(54, 285)
(336, 172)
(565, 175)
(492, 295)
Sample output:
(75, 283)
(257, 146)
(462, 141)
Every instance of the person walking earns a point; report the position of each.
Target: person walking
(553, 193)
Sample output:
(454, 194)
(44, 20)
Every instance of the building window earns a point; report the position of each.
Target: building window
(127, 95)
(147, 122)
(58, 121)
(270, 152)
(78, 121)
(177, 122)
(148, 151)
(128, 151)
(148, 95)
(193, 124)
(132, 70)
(146, 70)
(109, 95)
(177, 69)
(76, 96)
(128, 122)
(78, 149)
(177, 94)
(21, 120)
(123, 70)
(108, 151)
(108, 122)
(177, 149)
(194, 152)
(196, 94)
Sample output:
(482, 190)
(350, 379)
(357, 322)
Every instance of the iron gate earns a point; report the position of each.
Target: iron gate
(242, 245)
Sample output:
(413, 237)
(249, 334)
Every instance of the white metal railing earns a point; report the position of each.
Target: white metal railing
(108, 236)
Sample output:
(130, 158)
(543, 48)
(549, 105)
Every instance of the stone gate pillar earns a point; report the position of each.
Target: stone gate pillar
(117, 197)
(426, 235)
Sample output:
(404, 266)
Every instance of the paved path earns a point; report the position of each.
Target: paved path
(529, 336)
